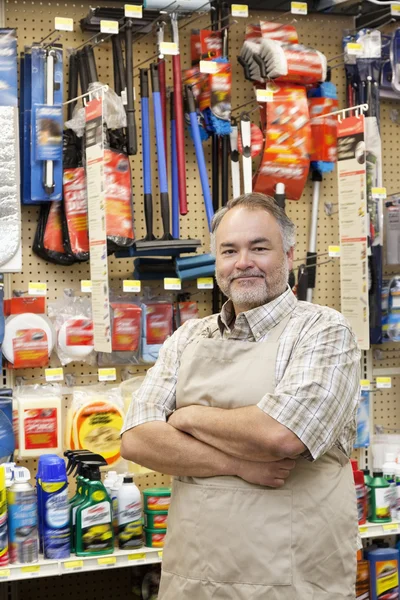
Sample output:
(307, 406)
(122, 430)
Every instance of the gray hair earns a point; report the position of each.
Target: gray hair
(255, 201)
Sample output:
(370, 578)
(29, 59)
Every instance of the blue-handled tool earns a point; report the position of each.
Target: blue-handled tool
(146, 154)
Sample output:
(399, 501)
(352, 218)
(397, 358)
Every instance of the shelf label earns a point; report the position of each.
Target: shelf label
(140, 557)
(37, 288)
(395, 10)
(107, 560)
(63, 24)
(54, 374)
(298, 8)
(86, 286)
(354, 49)
(172, 283)
(264, 95)
(384, 382)
(363, 529)
(334, 251)
(205, 283)
(107, 374)
(131, 285)
(5, 573)
(209, 66)
(365, 385)
(379, 193)
(239, 10)
(160, 553)
(32, 569)
(133, 11)
(75, 565)
(391, 527)
(170, 48)
(109, 26)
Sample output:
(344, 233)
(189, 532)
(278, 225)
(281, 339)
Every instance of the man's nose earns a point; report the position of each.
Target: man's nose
(244, 260)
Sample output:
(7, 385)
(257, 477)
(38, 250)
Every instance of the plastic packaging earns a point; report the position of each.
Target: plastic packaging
(398, 491)
(39, 419)
(363, 421)
(156, 519)
(29, 339)
(94, 531)
(155, 538)
(361, 493)
(157, 327)
(384, 571)
(22, 520)
(3, 519)
(50, 242)
(380, 497)
(126, 324)
(389, 473)
(362, 582)
(114, 500)
(130, 528)
(75, 212)
(156, 499)
(7, 440)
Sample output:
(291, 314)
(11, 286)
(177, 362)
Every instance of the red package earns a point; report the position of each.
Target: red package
(158, 322)
(323, 131)
(30, 349)
(195, 46)
(187, 310)
(211, 43)
(53, 235)
(76, 211)
(40, 428)
(280, 33)
(118, 190)
(79, 332)
(126, 327)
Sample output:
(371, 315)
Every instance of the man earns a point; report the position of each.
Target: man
(253, 412)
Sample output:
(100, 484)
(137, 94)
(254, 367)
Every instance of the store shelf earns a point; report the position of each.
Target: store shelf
(370, 530)
(76, 564)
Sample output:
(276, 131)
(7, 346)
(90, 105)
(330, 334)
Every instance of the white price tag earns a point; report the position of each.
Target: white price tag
(239, 10)
(209, 66)
(395, 10)
(365, 385)
(354, 49)
(131, 285)
(109, 26)
(54, 374)
(384, 382)
(37, 288)
(379, 193)
(169, 48)
(205, 283)
(86, 286)
(124, 97)
(334, 251)
(172, 283)
(264, 95)
(63, 24)
(133, 11)
(298, 8)
(107, 374)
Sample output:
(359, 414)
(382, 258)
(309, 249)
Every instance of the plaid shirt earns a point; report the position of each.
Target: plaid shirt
(317, 370)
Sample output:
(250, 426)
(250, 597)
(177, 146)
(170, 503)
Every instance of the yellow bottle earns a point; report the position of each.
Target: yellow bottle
(3, 519)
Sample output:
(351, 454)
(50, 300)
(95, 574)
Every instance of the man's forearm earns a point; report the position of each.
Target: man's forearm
(161, 447)
(247, 433)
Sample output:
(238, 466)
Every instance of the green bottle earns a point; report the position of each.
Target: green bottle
(94, 529)
(367, 481)
(81, 497)
(380, 495)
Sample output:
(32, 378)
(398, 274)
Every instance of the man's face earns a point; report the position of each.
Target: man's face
(251, 266)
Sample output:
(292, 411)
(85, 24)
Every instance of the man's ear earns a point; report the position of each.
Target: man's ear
(290, 257)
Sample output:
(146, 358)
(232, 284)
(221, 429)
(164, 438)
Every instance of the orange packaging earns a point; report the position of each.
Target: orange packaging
(211, 43)
(280, 33)
(323, 131)
(79, 332)
(76, 210)
(126, 327)
(30, 349)
(118, 189)
(53, 237)
(158, 322)
(362, 582)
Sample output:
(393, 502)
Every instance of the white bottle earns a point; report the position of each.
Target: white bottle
(114, 498)
(398, 491)
(109, 481)
(9, 470)
(130, 527)
(389, 469)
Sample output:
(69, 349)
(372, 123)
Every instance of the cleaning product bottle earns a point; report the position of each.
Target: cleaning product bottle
(23, 521)
(9, 471)
(361, 493)
(109, 480)
(384, 570)
(389, 473)
(94, 530)
(79, 499)
(398, 492)
(114, 499)
(362, 581)
(54, 513)
(3, 519)
(130, 527)
(381, 495)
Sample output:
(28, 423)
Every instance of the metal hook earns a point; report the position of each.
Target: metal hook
(243, 105)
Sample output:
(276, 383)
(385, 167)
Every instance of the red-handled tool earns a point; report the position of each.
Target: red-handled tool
(180, 130)
(162, 79)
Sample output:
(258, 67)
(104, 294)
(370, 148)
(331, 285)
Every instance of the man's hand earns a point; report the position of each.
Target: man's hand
(271, 474)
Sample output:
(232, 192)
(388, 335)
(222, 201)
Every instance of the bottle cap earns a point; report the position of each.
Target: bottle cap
(51, 468)
(389, 457)
(21, 475)
(128, 479)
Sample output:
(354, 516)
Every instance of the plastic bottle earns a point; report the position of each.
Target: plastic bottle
(54, 512)
(389, 473)
(3, 519)
(114, 499)
(94, 530)
(380, 500)
(109, 481)
(361, 493)
(22, 519)
(130, 527)
(384, 572)
(9, 471)
(398, 492)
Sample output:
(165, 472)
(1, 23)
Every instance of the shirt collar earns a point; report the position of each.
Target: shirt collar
(260, 319)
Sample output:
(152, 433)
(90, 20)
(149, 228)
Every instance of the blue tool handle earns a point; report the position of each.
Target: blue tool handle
(158, 122)
(201, 163)
(146, 146)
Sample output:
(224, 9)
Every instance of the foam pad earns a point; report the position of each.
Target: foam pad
(15, 323)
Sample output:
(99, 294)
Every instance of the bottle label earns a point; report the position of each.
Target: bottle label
(3, 529)
(22, 523)
(361, 502)
(130, 529)
(40, 427)
(387, 578)
(382, 503)
(56, 532)
(97, 531)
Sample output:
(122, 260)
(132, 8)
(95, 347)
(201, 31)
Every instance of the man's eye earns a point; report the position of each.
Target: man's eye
(260, 249)
(228, 251)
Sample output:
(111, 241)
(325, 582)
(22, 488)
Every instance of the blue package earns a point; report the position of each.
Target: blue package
(7, 440)
(363, 421)
(47, 132)
(8, 68)
(53, 507)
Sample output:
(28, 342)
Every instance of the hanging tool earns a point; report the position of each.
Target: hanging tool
(214, 14)
(302, 283)
(312, 242)
(146, 154)
(48, 174)
(83, 76)
(174, 172)
(119, 68)
(245, 134)
(130, 107)
(180, 131)
(162, 78)
(72, 83)
(91, 64)
(235, 166)
(225, 13)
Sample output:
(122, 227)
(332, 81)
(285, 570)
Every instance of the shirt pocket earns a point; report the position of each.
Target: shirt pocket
(230, 535)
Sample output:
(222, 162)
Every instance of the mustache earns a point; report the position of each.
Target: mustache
(246, 274)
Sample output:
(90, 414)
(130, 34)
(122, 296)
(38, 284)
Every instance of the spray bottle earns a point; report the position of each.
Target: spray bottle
(389, 473)
(380, 496)
(3, 519)
(23, 522)
(130, 528)
(114, 499)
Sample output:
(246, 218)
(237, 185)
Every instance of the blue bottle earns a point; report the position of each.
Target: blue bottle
(384, 573)
(53, 507)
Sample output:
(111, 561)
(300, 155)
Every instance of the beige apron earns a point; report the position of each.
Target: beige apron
(230, 540)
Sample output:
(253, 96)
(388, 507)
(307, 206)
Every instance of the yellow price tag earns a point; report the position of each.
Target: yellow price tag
(107, 560)
(160, 554)
(37, 288)
(379, 192)
(395, 10)
(137, 557)
(169, 48)
(109, 26)
(392, 527)
(239, 10)
(334, 251)
(205, 283)
(107, 374)
(354, 48)
(86, 285)
(54, 374)
(63, 24)
(363, 529)
(74, 564)
(172, 283)
(133, 11)
(31, 569)
(365, 385)
(209, 66)
(298, 8)
(5, 573)
(264, 95)
(131, 285)
(384, 382)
